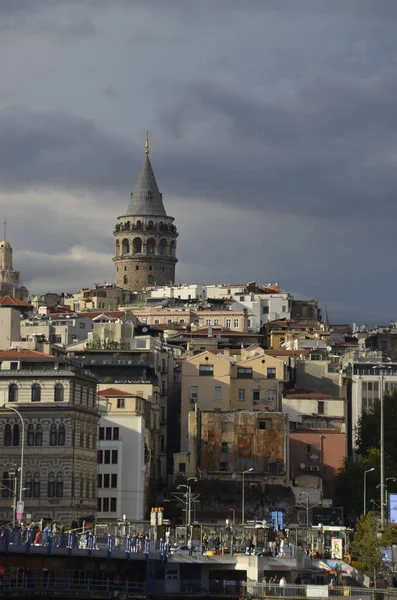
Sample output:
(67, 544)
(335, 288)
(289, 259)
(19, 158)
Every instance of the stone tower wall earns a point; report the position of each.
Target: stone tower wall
(162, 271)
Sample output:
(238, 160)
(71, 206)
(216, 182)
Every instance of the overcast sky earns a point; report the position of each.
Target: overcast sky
(273, 132)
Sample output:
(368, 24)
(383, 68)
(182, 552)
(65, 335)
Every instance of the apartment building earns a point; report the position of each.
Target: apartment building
(128, 430)
(56, 421)
(231, 380)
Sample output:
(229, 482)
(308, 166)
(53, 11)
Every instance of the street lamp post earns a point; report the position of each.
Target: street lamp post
(188, 502)
(365, 488)
(243, 497)
(234, 516)
(381, 368)
(8, 407)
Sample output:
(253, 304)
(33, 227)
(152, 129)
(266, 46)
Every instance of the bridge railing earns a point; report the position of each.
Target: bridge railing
(24, 540)
(43, 583)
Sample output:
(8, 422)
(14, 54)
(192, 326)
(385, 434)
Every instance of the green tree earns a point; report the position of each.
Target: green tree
(350, 482)
(367, 544)
(368, 428)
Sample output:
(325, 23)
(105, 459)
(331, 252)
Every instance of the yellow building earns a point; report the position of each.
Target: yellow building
(230, 381)
(278, 332)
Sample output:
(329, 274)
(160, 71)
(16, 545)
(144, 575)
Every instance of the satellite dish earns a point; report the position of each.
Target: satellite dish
(234, 476)
(302, 466)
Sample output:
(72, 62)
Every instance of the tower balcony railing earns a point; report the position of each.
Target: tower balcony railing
(155, 227)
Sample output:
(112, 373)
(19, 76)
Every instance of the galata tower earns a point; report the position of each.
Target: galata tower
(145, 237)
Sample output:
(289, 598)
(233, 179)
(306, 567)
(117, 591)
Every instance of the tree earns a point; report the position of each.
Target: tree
(368, 428)
(350, 482)
(367, 544)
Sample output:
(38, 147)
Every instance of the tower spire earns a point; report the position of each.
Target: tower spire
(5, 230)
(147, 144)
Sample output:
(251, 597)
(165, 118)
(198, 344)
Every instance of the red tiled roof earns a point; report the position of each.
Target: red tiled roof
(114, 392)
(9, 301)
(280, 352)
(310, 395)
(20, 354)
(216, 331)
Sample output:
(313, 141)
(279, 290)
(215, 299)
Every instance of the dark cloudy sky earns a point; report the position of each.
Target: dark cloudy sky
(273, 128)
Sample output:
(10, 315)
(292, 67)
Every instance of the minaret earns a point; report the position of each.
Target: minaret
(145, 237)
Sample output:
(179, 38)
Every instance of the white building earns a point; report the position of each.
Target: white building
(367, 371)
(314, 410)
(126, 433)
(63, 329)
(191, 291)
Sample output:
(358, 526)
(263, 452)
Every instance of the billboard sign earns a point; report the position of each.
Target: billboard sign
(392, 508)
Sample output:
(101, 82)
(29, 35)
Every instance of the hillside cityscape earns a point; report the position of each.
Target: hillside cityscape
(198, 327)
(201, 417)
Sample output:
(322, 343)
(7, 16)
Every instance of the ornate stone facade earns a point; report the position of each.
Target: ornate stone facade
(145, 238)
(59, 408)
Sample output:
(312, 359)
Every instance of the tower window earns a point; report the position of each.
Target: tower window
(149, 195)
(150, 280)
(137, 268)
(137, 245)
(125, 280)
(150, 268)
(125, 268)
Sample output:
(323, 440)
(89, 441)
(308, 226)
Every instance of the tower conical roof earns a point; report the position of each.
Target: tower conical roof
(146, 198)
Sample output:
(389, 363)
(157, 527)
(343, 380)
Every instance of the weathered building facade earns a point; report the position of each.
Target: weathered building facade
(57, 426)
(145, 237)
(223, 443)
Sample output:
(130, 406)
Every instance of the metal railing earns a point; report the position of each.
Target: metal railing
(41, 583)
(272, 590)
(51, 542)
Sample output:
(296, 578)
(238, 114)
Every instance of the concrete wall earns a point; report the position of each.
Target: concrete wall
(313, 375)
(10, 326)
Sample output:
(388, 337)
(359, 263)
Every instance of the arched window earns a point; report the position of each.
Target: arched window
(172, 248)
(53, 435)
(51, 485)
(150, 225)
(163, 246)
(13, 392)
(7, 435)
(125, 279)
(151, 246)
(59, 485)
(128, 225)
(125, 246)
(28, 485)
(15, 435)
(30, 437)
(6, 488)
(137, 268)
(137, 245)
(117, 248)
(139, 224)
(150, 280)
(36, 392)
(39, 436)
(161, 225)
(61, 435)
(88, 441)
(36, 485)
(58, 392)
